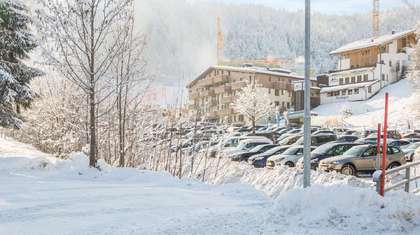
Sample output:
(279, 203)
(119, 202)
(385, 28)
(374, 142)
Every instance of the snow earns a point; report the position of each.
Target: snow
(367, 114)
(67, 197)
(371, 42)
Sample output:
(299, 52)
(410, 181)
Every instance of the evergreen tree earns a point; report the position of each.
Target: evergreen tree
(16, 41)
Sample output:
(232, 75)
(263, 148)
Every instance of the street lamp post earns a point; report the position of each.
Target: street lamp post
(307, 95)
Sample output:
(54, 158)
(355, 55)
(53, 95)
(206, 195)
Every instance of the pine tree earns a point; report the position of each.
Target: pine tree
(16, 42)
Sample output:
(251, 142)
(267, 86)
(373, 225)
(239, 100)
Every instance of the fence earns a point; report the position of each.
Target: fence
(408, 178)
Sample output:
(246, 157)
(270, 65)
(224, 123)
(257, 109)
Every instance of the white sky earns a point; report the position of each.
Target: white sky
(325, 6)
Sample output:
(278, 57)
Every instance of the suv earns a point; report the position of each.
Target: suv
(362, 158)
(329, 150)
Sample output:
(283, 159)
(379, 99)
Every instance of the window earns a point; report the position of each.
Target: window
(283, 104)
(282, 92)
(356, 91)
(347, 80)
(353, 79)
(276, 92)
(383, 77)
(341, 81)
(390, 63)
(343, 92)
(370, 89)
(337, 93)
(365, 77)
(359, 78)
(277, 103)
(350, 92)
(288, 105)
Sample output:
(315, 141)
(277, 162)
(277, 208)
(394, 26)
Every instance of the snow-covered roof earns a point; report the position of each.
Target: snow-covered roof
(347, 86)
(352, 70)
(371, 42)
(253, 69)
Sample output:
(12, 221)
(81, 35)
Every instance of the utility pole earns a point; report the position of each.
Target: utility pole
(307, 97)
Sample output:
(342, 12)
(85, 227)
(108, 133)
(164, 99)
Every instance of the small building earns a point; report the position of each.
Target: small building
(366, 66)
(214, 91)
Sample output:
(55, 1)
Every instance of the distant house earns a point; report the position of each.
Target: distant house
(214, 91)
(366, 66)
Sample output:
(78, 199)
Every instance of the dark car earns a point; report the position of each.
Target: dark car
(256, 150)
(329, 150)
(318, 140)
(260, 160)
(347, 138)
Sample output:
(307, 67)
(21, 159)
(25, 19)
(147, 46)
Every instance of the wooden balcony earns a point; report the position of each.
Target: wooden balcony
(238, 85)
(222, 89)
(221, 79)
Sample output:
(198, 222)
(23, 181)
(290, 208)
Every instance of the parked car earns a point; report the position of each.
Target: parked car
(318, 140)
(410, 150)
(290, 140)
(289, 157)
(291, 132)
(260, 160)
(362, 158)
(412, 135)
(347, 138)
(324, 132)
(243, 156)
(246, 145)
(399, 143)
(329, 150)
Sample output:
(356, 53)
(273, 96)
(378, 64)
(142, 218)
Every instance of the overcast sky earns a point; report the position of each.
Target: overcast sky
(325, 6)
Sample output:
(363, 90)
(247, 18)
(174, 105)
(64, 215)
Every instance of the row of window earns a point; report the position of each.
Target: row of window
(344, 92)
(354, 79)
(277, 92)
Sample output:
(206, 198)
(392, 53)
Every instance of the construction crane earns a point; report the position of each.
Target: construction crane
(219, 42)
(376, 19)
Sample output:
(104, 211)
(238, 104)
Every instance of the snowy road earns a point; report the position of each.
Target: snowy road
(40, 195)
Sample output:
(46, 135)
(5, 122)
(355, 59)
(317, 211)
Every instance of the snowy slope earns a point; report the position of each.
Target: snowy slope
(43, 196)
(369, 113)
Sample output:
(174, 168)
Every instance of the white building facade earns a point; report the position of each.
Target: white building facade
(366, 66)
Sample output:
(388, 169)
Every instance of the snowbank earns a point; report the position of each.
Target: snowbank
(67, 197)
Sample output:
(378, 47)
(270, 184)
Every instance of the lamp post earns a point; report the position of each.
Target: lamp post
(307, 97)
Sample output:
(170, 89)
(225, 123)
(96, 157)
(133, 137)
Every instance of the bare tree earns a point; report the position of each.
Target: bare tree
(86, 37)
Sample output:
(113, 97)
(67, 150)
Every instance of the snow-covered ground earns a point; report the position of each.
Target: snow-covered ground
(42, 195)
(367, 114)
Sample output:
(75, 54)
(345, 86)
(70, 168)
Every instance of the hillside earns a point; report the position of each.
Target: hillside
(403, 111)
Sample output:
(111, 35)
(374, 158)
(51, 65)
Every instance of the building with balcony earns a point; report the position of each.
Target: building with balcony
(214, 91)
(364, 67)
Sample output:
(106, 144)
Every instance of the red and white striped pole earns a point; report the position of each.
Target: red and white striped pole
(384, 148)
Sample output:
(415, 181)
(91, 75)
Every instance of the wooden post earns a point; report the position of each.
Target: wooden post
(385, 147)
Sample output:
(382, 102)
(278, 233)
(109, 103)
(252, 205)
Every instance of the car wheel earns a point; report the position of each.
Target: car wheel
(394, 165)
(348, 170)
(290, 164)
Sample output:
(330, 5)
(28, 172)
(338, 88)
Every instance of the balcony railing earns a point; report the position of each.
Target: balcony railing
(238, 85)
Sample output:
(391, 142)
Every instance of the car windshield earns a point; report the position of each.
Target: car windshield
(355, 151)
(291, 151)
(322, 149)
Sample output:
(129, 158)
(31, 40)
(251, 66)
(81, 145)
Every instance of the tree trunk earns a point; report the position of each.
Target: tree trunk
(92, 152)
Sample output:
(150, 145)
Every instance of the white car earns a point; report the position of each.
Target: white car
(289, 157)
(246, 145)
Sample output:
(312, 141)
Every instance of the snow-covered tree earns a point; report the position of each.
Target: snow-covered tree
(414, 72)
(16, 42)
(253, 103)
(85, 40)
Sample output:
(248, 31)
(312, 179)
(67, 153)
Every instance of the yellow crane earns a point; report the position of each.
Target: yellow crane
(219, 42)
(376, 19)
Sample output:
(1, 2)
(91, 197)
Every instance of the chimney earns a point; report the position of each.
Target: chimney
(393, 32)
